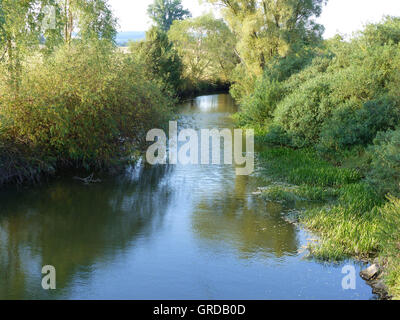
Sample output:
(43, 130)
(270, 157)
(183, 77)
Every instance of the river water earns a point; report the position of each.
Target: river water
(161, 232)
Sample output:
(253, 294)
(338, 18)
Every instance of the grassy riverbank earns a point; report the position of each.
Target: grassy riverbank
(332, 113)
(353, 220)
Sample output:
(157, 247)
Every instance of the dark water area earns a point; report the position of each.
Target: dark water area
(161, 232)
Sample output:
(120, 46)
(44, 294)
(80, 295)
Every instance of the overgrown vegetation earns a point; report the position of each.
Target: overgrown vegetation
(352, 218)
(70, 100)
(331, 116)
(206, 46)
(191, 56)
(329, 109)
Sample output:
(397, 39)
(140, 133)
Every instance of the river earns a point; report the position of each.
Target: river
(161, 232)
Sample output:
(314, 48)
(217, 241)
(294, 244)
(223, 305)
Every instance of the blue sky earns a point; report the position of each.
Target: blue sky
(344, 16)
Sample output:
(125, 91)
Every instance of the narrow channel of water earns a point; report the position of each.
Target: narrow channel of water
(165, 232)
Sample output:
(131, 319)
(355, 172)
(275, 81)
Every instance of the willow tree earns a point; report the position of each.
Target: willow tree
(160, 60)
(22, 27)
(270, 28)
(165, 12)
(206, 46)
(19, 33)
(88, 19)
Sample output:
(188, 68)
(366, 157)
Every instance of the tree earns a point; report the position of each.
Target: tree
(206, 46)
(271, 28)
(165, 12)
(21, 27)
(19, 33)
(89, 19)
(159, 57)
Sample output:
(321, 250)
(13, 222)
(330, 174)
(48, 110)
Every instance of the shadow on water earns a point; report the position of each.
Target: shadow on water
(72, 226)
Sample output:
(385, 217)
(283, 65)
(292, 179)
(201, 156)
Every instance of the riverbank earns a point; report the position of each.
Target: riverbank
(352, 220)
(159, 226)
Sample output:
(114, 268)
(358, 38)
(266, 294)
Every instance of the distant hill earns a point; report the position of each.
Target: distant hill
(124, 37)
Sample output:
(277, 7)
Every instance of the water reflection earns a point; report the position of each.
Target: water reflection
(159, 232)
(238, 221)
(225, 209)
(73, 226)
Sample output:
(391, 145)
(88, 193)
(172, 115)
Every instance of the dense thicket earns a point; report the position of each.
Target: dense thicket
(265, 30)
(160, 59)
(67, 97)
(333, 108)
(336, 97)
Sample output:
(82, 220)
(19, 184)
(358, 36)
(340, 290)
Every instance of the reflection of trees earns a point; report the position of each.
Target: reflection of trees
(71, 226)
(218, 103)
(244, 222)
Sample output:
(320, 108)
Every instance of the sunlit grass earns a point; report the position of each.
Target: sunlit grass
(343, 234)
(353, 219)
(305, 167)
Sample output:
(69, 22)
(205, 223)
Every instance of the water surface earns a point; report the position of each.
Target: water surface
(163, 232)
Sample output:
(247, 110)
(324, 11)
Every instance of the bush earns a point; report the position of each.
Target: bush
(83, 106)
(276, 135)
(303, 112)
(386, 32)
(385, 162)
(160, 59)
(350, 127)
(341, 99)
(258, 108)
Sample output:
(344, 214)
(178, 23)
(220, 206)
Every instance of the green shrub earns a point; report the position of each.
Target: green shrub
(350, 127)
(83, 106)
(276, 135)
(303, 112)
(385, 32)
(258, 108)
(160, 60)
(341, 99)
(385, 162)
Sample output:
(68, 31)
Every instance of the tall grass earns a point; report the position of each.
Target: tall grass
(353, 219)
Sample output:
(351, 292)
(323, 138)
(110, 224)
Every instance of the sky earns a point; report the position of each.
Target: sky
(339, 16)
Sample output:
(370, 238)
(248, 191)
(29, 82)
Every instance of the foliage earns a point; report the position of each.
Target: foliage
(385, 162)
(206, 46)
(334, 100)
(389, 232)
(259, 107)
(338, 96)
(161, 60)
(50, 115)
(385, 33)
(89, 19)
(165, 12)
(303, 112)
(23, 32)
(266, 30)
(350, 127)
(91, 121)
